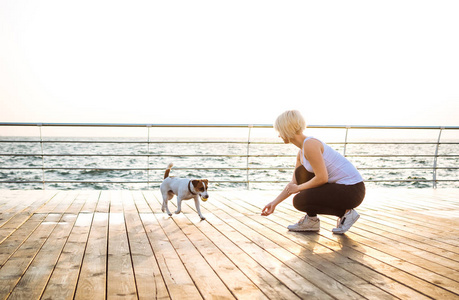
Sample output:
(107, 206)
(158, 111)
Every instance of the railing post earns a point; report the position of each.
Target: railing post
(148, 156)
(345, 140)
(42, 156)
(247, 162)
(434, 179)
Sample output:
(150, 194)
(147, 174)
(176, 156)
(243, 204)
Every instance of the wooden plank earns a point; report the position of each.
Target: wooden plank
(141, 203)
(178, 282)
(18, 237)
(103, 205)
(6, 196)
(204, 277)
(34, 280)
(12, 222)
(91, 199)
(64, 278)
(14, 268)
(8, 206)
(120, 275)
(12, 208)
(150, 284)
(59, 203)
(236, 281)
(92, 280)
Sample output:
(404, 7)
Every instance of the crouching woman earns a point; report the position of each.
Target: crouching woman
(324, 181)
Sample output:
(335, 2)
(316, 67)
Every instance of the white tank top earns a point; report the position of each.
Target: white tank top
(340, 169)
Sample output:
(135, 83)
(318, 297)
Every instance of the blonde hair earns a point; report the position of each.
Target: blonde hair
(290, 123)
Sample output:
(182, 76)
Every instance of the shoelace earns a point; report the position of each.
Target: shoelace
(301, 221)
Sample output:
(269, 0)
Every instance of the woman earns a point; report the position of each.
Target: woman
(324, 182)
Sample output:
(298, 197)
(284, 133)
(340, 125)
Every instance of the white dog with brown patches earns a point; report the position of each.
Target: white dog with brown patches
(185, 189)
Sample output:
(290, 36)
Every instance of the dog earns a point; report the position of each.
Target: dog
(184, 189)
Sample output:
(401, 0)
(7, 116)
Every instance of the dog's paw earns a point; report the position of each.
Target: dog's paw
(170, 215)
(177, 212)
(203, 218)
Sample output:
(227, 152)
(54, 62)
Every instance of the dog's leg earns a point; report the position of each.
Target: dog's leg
(166, 199)
(179, 205)
(198, 207)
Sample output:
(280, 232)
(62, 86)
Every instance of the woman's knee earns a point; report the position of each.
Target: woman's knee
(300, 202)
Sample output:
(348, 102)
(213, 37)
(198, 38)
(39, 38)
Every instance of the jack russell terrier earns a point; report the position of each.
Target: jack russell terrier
(185, 189)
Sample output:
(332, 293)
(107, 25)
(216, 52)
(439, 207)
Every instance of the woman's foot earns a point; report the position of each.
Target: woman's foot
(306, 223)
(346, 221)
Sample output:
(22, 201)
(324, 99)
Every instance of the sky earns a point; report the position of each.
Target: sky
(230, 62)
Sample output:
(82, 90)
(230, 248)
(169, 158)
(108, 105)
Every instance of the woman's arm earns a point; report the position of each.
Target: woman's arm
(270, 207)
(313, 150)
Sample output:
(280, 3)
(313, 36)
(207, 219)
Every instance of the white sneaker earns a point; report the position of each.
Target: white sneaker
(346, 221)
(306, 224)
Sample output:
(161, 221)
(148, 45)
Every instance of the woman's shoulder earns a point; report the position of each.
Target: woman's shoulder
(312, 142)
(312, 145)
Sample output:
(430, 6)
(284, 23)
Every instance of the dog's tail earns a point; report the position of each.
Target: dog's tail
(169, 167)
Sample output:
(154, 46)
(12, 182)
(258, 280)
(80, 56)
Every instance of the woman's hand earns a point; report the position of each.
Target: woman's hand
(292, 188)
(268, 209)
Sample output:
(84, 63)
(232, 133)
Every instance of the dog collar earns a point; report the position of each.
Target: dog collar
(189, 188)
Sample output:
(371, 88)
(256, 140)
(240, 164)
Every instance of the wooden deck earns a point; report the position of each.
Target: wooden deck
(118, 244)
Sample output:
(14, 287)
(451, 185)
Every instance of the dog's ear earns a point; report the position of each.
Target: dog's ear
(206, 182)
(195, 182)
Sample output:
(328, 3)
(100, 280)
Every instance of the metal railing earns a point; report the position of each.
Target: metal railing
(247, 156)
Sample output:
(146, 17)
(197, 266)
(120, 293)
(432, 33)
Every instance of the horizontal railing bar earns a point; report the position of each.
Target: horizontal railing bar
(398, 143)
(219, 125)
(215, 168)
(407, 168)
(402, 155)
(138, 142)
(216, 181)
(151, 155)
(224, 155)
(140, 169)
(228, 142)
(136, 125)
(410, 180)
(76, 181)
(218, 142)
(134, 181)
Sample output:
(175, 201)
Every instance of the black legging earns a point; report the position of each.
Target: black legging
(328, 199)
